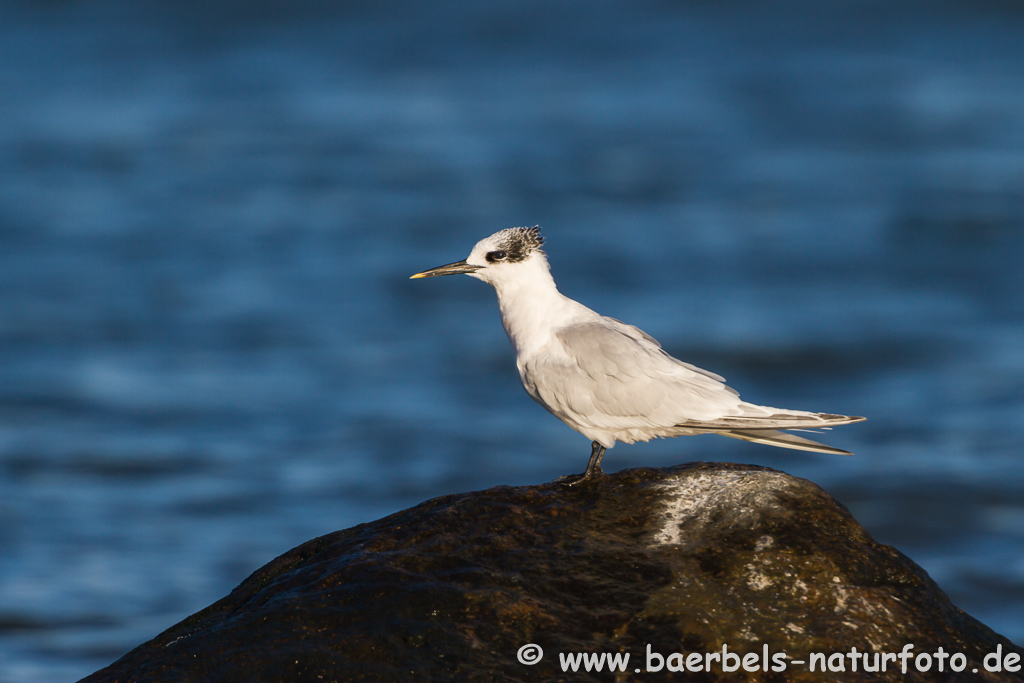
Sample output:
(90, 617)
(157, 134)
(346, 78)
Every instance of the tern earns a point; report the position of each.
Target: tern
(608, 380)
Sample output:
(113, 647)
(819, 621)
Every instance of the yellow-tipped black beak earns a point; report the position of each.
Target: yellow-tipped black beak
(450, 269)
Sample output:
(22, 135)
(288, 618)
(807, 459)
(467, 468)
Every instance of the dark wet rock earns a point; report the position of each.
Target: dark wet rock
(681, 560)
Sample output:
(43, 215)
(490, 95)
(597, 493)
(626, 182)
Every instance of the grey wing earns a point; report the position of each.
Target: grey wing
(638, 334)
(618, 377)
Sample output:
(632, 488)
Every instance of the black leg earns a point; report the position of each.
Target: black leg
(593, 467)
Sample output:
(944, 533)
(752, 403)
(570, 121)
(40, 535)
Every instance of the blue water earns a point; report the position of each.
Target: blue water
(210, 351)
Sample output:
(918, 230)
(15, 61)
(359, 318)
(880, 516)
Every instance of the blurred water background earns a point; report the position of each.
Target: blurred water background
(210, 350)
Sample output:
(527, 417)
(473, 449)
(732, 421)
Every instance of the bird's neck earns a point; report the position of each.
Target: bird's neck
(532, 309)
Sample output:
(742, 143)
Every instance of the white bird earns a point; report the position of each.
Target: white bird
(608, 380)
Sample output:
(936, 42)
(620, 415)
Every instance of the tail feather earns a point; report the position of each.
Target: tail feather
(773, 437)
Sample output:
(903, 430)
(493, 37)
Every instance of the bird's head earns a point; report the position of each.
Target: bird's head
(500, 258)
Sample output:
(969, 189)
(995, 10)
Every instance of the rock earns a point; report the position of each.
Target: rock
(665, 565)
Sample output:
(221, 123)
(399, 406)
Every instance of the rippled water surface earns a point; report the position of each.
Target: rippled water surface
(210, 350)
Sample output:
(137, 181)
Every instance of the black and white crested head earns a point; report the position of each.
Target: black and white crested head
(509, 257)
(512, 245)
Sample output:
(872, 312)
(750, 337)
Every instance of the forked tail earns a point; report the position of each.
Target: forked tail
(773, 437)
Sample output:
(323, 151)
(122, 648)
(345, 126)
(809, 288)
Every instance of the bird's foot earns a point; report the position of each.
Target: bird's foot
(574, 479)
(593, 468)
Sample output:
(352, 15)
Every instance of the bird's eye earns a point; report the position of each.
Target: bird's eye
(496, 256)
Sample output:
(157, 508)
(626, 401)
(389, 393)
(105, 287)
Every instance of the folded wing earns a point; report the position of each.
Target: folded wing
(612, 376)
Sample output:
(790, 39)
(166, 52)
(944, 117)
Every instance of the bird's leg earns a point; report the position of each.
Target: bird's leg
(593, 467)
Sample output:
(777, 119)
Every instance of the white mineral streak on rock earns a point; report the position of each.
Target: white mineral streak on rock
(692, 501)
